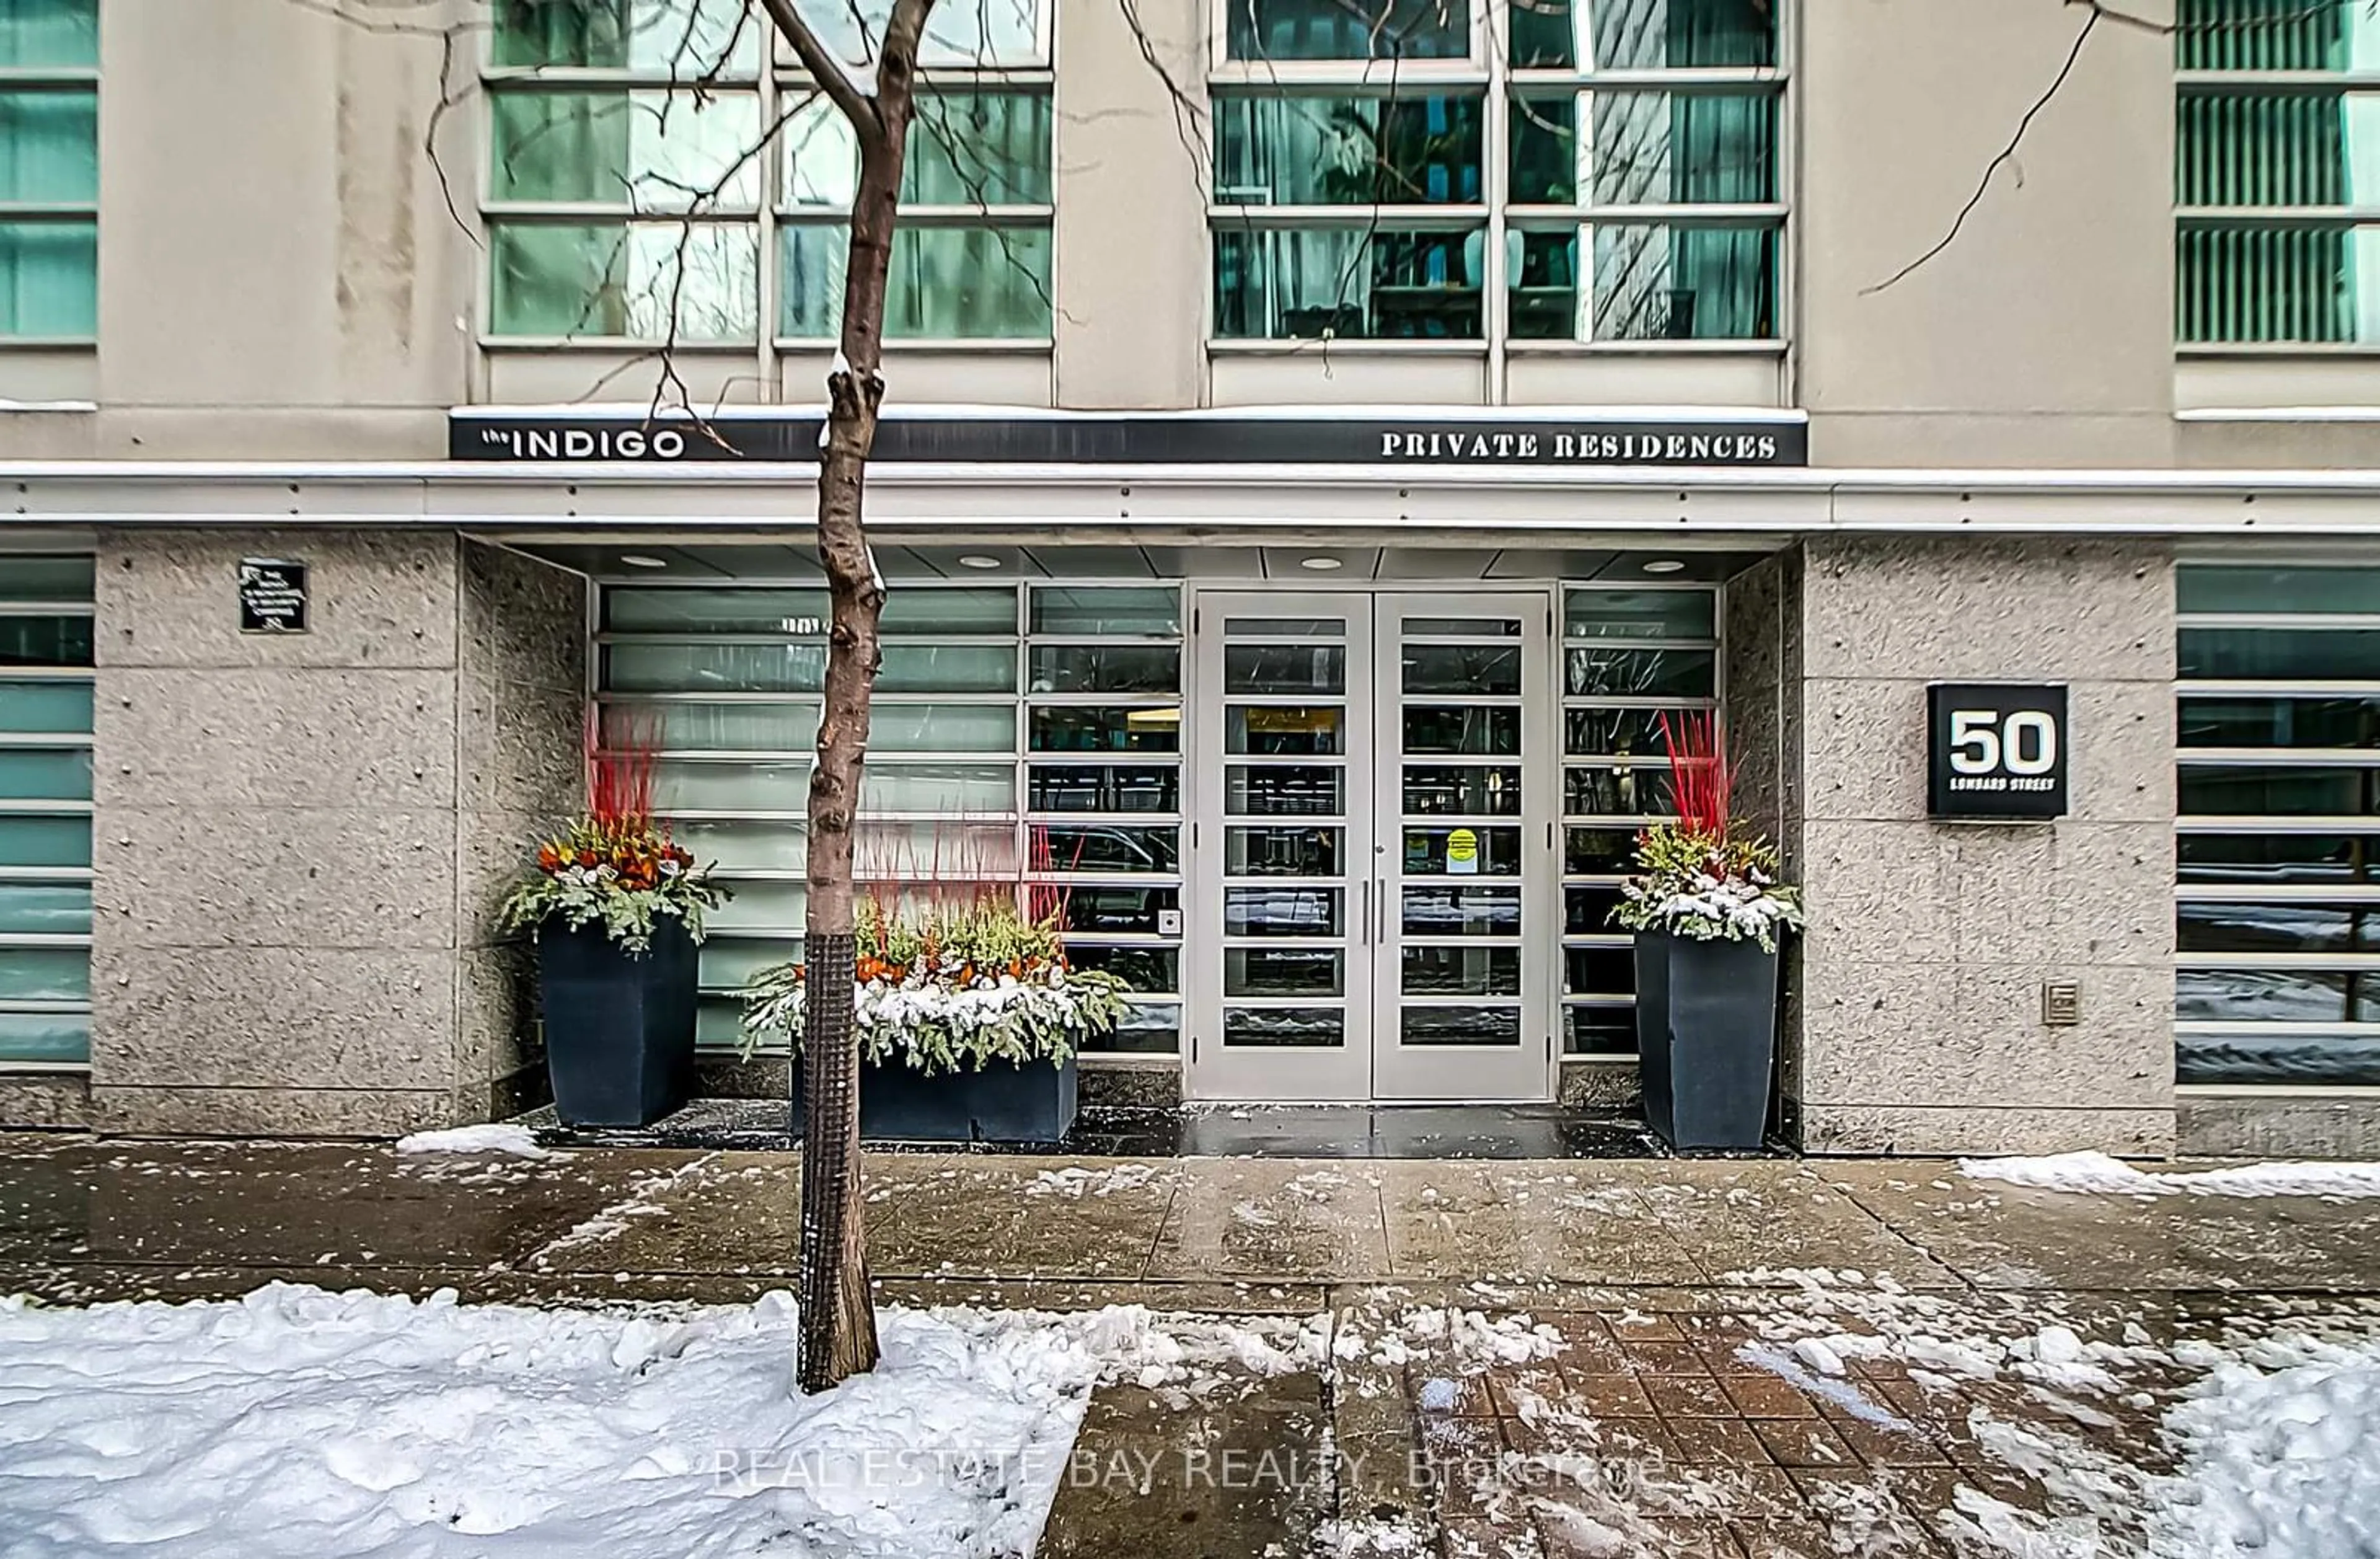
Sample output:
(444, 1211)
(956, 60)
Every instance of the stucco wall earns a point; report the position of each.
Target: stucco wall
(2044, 333)
(296, 839)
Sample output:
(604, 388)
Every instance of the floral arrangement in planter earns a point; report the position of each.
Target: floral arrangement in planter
(953, 986)
(614, 865)
(1705, 877)
(962, 968)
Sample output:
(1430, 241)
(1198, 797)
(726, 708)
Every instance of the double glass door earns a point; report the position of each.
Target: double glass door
(1372, 887)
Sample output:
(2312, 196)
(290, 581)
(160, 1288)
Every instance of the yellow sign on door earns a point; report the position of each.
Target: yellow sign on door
(1463, 853)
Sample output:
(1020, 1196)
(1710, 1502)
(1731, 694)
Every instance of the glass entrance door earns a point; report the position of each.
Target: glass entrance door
(1371, 851)
(1462, 964)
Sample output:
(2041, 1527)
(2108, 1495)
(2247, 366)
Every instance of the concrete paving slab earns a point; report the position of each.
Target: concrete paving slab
(1275, 1218)
(1505, 1225)
(1246, 1471)
(2000, 1236)
(1741, 1219)
(969, 1216)
(297, 1205)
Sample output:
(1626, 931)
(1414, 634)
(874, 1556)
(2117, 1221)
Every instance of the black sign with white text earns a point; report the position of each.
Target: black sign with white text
(1997, 751)
(272, 595)
(1157, 439)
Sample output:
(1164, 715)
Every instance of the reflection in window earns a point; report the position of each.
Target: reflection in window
(1285, 30)
(1643, 34)
(1304, 284)
(1649, 284)
(2304, 952)
(1339, 149)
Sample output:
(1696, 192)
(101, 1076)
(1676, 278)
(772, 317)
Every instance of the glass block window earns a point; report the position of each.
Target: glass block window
(654, 171)
(49, 170)
(1628, 653)
(45, 709)
(2277, 853)
(1611, 173)
(2277, 172)
(1019, 733)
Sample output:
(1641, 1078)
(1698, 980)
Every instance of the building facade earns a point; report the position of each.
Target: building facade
(1319, 454)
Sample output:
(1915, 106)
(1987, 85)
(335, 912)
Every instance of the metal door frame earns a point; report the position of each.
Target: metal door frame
(1375, 792)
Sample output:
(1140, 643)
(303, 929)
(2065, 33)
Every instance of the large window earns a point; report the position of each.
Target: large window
(49, 170)
(1629, 655)
(2277, 932)
(1028, 733)
(45, 653)
(2276, 176)
(1579, 170)
(651, 173)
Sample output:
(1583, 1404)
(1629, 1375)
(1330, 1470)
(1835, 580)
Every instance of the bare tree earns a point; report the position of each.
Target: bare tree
(838, 1316)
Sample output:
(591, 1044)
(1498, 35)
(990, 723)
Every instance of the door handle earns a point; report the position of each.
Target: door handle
(1380, 929)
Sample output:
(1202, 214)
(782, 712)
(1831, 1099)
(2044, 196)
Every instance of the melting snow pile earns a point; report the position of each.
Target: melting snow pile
(300, 1422)
(2099, 1173)
(2281, 1456)
(517, 1140)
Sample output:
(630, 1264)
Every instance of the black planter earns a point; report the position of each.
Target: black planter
(619, 1028)
(1707, 1037)
(1007, 1101)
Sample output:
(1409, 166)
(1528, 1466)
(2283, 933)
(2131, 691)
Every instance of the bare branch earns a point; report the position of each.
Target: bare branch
(826, 67)
(2005, 156)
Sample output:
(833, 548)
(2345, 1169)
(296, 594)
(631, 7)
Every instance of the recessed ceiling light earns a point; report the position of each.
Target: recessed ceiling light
(643, 560)
(977, 560)
(1320, 565)
(1664, 566)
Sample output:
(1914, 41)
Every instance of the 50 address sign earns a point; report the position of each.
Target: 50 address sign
(1997, 751)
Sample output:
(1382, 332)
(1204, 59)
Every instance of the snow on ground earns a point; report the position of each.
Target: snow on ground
(2099, 1173)
(499, 1138)
(1076, 1181)
(302, 1422)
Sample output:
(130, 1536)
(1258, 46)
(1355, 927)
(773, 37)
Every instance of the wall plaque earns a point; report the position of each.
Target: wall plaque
(272, 595)
(1997, 751)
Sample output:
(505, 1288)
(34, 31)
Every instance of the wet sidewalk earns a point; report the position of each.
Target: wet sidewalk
(1530, 1359)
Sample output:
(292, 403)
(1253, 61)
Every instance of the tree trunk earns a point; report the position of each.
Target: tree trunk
(838, 1317)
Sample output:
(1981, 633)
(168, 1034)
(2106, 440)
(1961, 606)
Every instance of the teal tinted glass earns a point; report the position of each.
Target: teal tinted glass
(49, 279)
(1347, 149)
(44, 773)
(44, 706)
(803, 613)
(46, 578)
(2297, 654)
(1302, 284)
(979, 149)
(1650, 283)
(27, 641)
(2284, 282)
(35, 33)
(2277, 589)
(28, 839)
(1643, 34)
(2265, 35)
(1278, 29)
(44, 974)
(45, 908)
(45, 1036)
(954, 283)
(1132, 611)
(652, 151)
(618, 279)
(1643, 149)
(49, 148)
(1640, 613)
(680, 38)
